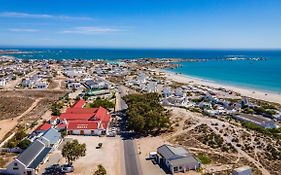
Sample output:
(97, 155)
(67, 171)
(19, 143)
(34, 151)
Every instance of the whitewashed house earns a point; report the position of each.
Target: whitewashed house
(27, 162)
(2, 83)
(167, 92)
(179, 92)
(152, 87)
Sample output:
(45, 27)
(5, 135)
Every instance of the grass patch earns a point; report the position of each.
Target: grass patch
(204, 158)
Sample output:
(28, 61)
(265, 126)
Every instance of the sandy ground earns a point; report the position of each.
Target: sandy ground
(7, 125)
(178, 112)
(150, 144)
(108, 155)
(145, 146)
(263, 95)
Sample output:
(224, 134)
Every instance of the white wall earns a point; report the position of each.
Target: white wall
(18, 168)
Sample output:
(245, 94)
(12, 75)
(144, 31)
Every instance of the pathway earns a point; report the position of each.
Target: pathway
(8, 124)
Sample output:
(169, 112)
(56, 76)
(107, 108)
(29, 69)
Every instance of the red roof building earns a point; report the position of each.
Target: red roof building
(86, 121)
(72, 116)
(83, 125)
(81, 110)
(44, 127)
(79, 104)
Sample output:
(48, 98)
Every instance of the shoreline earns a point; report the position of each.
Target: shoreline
(258, 94)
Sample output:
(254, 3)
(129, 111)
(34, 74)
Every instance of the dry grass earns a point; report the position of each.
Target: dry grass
(14, 103)
(53, 84)
(12, 107)
(37, 112)
(33, 93)
(6, 158)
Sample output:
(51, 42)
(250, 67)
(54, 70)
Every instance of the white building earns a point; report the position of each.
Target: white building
(167, 91)
(2, 83)
(152, 87)
(246, 170)
(27, 162)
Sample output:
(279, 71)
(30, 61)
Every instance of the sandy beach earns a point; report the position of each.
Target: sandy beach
(253, 93)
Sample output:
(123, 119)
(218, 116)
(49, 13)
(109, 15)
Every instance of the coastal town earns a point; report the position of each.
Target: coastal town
(131, 117)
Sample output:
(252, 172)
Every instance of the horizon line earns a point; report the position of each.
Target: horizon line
(131, 48)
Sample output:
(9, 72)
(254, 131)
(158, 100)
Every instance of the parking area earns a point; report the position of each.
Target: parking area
(108, 155)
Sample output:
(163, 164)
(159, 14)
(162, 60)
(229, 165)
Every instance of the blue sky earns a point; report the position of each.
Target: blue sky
(141, 23)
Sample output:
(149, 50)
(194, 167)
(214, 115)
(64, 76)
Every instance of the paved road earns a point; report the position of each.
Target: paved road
(131, 157)
(132, 164)
(123, 92)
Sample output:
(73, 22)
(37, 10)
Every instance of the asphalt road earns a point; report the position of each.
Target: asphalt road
(132, 165)
(121, 105)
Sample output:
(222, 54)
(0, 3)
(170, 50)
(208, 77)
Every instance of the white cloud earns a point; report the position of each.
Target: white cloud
(41, 16)
(23, 30)
(91, 30)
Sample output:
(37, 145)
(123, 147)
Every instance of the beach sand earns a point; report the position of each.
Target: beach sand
(253, 93)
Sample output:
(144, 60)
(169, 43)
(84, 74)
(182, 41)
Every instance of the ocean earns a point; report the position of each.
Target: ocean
(261, 75)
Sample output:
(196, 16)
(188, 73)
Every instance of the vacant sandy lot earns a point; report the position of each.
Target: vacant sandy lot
(12, 107)
(145, 146)
(24, 106)
(109, 155)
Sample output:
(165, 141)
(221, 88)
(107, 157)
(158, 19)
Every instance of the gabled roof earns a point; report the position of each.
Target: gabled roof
(102, 114)
(52, 135)
(44, 127)
(83, 125)
(71, 116)
(81, 110)
(176, 155)
(31, 152)
(170, 152)
(61, 126)
(34, 164)
(79, 104)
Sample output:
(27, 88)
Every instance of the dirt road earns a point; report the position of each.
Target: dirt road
(8, 124)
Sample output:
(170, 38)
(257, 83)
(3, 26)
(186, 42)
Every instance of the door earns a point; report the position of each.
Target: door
(81, 132)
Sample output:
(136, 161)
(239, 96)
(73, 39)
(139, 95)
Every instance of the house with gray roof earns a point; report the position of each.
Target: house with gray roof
(28, 161)
(177, 159)
(51, 137)
(245, 170)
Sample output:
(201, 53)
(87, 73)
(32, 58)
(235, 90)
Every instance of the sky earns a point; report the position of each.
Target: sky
(190, 24)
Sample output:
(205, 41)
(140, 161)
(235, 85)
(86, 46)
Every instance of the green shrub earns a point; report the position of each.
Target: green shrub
(204, 158)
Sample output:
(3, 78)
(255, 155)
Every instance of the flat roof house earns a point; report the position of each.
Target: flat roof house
(177, 159)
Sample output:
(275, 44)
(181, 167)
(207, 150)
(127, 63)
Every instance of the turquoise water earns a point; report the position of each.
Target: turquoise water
(265, 75)
(262, 75)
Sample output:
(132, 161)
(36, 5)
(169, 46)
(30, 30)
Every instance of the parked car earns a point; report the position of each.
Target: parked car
(54, 166)
(67, 168)
(111, 134)
(53, 170)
